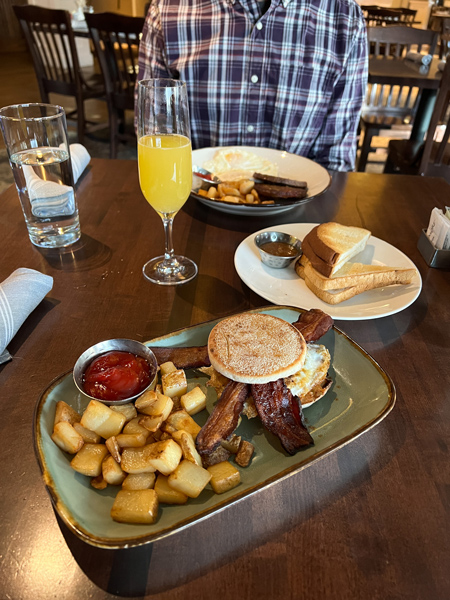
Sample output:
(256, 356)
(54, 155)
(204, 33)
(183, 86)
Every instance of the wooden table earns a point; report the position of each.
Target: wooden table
(370, 521)
(399, 71)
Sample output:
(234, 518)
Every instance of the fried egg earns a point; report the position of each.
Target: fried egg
(235, 164)
(314, 372)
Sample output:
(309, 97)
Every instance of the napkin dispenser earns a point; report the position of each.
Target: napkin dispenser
(439, 259)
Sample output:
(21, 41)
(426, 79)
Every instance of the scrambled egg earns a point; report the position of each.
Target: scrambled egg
(235, 164)
(313, 372)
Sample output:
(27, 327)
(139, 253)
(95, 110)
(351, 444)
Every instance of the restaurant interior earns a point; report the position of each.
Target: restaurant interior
(360, 508)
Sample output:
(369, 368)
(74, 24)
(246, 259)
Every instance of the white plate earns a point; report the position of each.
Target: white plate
(285, 287)
(289, 165)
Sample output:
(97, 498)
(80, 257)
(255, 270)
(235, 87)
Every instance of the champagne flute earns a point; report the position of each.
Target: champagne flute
(165, 168)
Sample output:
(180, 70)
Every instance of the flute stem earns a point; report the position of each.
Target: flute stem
(168, 251)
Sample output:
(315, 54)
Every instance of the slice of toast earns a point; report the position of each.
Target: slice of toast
(338, 295)
(354, 273)
(330, 245)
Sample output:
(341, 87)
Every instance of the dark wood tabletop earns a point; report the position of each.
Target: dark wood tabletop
(369, 521)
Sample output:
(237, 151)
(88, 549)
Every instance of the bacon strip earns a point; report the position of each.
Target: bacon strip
(183, 358)
(224, 418)
(280, 412)
(313, 324)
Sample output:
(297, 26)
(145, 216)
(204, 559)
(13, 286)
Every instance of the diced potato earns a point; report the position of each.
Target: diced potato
(67, 438)
(164, 436)
(131, 440)
(88, 460)
(152, 424)
(99, 483)
(136, 460)
(244, 454)
(187, 444)
(156, 435)
(113, 448)
(165, 456)
(128, 410)
(135, 506)
(193, 401)
(100, 418)
(180, 420)
(111, 471)
(174, 383)
(133, 427)
(167, 367)
(139, 481)
(190, 479)
(167, 494)
(224, 477)
(155, 404)
(232, 445)
(90, 437)
(64, 412)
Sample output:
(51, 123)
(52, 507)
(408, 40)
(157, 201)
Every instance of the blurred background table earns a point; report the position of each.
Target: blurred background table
(368, 521)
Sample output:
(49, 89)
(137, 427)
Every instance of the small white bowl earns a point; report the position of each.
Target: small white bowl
(277, 262)
(121, 345)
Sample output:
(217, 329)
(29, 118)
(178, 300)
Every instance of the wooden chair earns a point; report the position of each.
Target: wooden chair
(377, 16)
(116, 43)
(429, 157)
(388, 106)
(50, 39)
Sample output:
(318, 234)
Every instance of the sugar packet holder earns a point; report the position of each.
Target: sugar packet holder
(434, 242)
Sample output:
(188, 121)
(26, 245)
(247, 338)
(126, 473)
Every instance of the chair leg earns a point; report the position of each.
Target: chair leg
(81, 122)
(365, 148)
(113, 132)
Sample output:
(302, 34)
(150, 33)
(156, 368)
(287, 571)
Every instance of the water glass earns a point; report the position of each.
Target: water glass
(37, 143)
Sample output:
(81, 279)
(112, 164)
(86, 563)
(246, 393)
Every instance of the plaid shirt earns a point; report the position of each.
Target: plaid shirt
(292, 79)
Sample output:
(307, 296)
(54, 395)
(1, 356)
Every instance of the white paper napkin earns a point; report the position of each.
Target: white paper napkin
(20, 293)
(421, 59)
(52, 199)
(441, 65)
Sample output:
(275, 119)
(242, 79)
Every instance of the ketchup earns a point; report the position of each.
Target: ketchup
(117, 375)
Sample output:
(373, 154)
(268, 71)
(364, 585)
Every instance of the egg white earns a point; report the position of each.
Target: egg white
(235, 164)
(314, 370)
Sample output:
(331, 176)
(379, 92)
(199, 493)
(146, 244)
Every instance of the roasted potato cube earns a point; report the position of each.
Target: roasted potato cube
(88, 460)
(100, 418)
(232, 445)
(167, 494)
(135, 506)
(167, 367)
(111, 471)
(90, 437)
(246, 186)
(134, 427)
(152, 424)
(187, 444)
(139, 481)
(165, 456)
(64, 412)
(193, 401)
(180, 420)
(99, 483)
(132, 440)
(190, 479)
(244, 454)
(128, 410)
(212, 193)
(155, 404)
(218, 455)
(67, 438)
(224, 477)
(113, 448)
(174, 383)
(136, 460)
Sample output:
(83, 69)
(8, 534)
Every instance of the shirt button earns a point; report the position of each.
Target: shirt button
(254, 78)
(250, 128)
(259, 26)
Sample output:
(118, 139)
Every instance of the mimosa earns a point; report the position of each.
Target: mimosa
(165, 171)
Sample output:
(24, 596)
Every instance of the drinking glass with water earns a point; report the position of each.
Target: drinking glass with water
(37, 143)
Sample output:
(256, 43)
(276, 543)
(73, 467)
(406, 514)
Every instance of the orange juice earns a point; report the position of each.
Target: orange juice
(165, 171)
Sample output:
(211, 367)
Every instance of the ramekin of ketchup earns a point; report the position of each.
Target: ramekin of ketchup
(118, 374)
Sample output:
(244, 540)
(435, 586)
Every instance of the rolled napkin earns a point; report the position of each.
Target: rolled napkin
(441, 65)
(421, 59)
(50, 198)
(20, 293)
